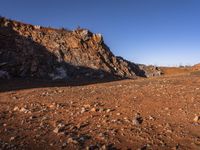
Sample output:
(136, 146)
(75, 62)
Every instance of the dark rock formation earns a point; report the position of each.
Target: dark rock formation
(38, 52)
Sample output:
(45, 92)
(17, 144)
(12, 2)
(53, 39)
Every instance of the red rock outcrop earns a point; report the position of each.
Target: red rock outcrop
(39, 52)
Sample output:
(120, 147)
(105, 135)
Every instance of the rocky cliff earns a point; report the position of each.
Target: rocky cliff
(46, 53)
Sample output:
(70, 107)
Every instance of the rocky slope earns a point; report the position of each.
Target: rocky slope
(38, 52)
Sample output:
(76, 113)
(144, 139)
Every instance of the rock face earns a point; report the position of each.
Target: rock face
(150, 71)
(46, 53)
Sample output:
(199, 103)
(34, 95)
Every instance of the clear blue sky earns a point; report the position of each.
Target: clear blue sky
(161, 32)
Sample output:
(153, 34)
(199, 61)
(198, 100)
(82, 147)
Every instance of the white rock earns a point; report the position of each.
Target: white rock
(16, 108)
(196, 118)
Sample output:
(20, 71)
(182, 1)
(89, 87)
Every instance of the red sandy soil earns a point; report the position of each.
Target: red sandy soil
(180, 70)
(155, 113)
(176, 70)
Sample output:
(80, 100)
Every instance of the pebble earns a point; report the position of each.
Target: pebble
(101, 109)
(56, 130)
(169, 131)
(52, 105)
(24, 110)
(93, 110)
(16, 108)
(92, 147)
(83, 110)
(60, 91)
(64, 144)
(103, 147)
(151, 118)
(71, 140)
(166, 108)
(118, 114)
(137, 120)
(12, 138)
(32, 117)
(87, 106)
(108, 110)
(196, 118)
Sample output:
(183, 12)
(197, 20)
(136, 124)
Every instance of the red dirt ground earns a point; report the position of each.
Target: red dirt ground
(155, 113)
